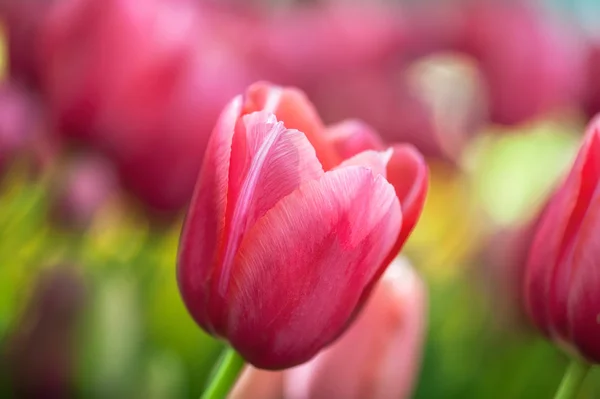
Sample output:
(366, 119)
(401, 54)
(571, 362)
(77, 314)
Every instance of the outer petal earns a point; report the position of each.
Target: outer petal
(377, 161)
(304, 265)
(549, 274)
(205, 221)
(583, 301)
(277, 161)
(379, 356)
(408, 173)
(353, 136)
(296, 112)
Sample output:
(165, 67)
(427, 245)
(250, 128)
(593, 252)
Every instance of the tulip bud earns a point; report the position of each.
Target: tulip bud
(561, 282)
(378, 357)
(265, 213)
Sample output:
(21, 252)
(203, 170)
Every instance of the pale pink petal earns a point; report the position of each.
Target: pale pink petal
(259, 384)
(379, 356)
(353, 136)
(303, 266)
(377, 161)
(205, 221)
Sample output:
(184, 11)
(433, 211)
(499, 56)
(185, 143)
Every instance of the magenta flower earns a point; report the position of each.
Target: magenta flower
(277, 254)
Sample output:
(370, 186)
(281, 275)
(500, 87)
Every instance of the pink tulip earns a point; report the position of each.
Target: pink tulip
(23, 20)
(267, 213)
(145, 83)
(562, 279)
(304, 43)
(532, 64)
(378, 357)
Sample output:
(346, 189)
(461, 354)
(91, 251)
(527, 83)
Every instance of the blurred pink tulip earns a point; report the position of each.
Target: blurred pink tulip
(562, 281)
(145, 82)
(23, 20)
(303, 43)
(266, 212)
(532, 64)
(378, 357)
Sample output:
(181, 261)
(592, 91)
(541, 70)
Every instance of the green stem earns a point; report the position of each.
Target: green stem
(574, 376)
(224, 376)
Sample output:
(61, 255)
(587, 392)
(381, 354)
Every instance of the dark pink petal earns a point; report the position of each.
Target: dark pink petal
(548, 278)
(583, 301)
(205, 222)
(304, 265)
(408, 173)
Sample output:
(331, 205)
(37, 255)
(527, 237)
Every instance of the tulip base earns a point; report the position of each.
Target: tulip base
(224, 375)
(571, 382)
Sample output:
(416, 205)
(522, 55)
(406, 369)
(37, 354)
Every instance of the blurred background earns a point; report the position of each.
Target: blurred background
(106, 107)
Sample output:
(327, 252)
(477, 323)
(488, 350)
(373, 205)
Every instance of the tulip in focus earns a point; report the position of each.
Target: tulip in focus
(281, 248)
(562, 280)
(378, 357)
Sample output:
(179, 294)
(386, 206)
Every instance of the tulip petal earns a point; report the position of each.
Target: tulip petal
(280, 160)
(583, 301)
(379, 356)
(549, 275)
(296, 112)
(304, 264)
(408, 173)
(205, 222)
(377, 161)
(352, 136)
